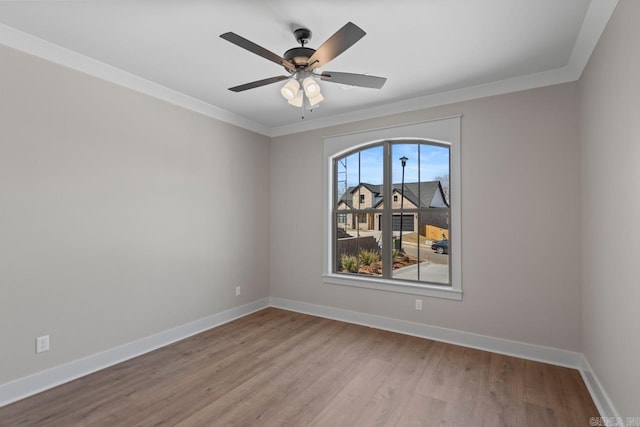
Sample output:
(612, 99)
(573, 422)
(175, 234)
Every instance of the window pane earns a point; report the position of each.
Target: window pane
(408, 151)
(347, 179)
(359, 184)
(434, 167)
(405, 194)
(371, 165)
(417, 215)
(417, 260)
(358, 251)
(405, 254)
(434, 252)
(370, 189)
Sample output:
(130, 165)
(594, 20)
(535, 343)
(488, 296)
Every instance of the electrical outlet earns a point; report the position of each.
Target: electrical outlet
(237, 291)
(419, 304)
(42, 344)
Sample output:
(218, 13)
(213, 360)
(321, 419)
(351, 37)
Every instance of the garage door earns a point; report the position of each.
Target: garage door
(407, 223)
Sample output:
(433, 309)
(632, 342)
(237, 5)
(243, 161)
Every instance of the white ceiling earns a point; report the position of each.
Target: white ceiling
(431, 51)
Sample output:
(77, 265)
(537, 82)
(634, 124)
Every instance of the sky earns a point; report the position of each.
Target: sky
(425, 163)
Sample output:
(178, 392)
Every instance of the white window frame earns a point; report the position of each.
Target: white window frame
(443, 131)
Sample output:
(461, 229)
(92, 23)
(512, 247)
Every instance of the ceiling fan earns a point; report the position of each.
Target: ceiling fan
(302, 62)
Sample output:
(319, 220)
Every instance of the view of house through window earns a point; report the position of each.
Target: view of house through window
(391, 212)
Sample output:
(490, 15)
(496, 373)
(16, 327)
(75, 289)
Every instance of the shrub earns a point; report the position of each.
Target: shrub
(349, 263)
(368, 257)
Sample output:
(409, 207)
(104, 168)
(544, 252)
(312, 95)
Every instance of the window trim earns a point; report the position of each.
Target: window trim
(445, 131)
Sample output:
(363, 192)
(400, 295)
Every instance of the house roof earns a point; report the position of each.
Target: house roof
(425, 189)
(346, 202)
(372, 187)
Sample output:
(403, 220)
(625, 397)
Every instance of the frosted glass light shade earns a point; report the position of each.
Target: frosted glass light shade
(316, 100)
(311, 87)
(290, 89)
(296, 101)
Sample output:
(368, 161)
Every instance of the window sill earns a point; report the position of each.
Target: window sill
(436, 291)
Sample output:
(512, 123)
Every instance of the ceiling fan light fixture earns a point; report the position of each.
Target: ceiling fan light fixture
(302, 87)
(297, 100)
(316, 100)
(290, 90)
(311, 87)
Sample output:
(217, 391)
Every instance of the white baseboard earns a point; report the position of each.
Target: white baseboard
(40, 381)
(598, 394)
(538, 353)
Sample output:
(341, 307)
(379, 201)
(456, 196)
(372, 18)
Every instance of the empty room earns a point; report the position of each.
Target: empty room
(336, 213)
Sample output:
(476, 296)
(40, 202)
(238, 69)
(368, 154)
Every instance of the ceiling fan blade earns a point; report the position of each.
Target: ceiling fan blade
(342, 40)
(258, 83)
(258, 50)
(351, 79)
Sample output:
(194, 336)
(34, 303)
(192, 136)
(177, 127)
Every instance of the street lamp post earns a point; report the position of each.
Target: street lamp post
(403, 161)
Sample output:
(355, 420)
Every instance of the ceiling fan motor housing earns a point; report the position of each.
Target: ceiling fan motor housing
(299, 56)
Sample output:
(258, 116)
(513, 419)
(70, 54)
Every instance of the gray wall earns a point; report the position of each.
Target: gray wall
(120, 215)
(520, 206)
(610, 166)
(116, 218)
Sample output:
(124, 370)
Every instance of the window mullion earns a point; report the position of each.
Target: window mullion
(387, 233)
(334, 224)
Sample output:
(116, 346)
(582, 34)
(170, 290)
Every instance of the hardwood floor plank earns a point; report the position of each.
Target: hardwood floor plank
(422, 411)
(504, 395)
(122, 380)
(541, 416)
(387, 405)
(280, 371)
(348, 404)
(279, 368)
(300, 408)
(196, 386)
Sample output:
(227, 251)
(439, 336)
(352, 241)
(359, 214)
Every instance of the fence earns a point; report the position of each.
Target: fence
(432, 232)
(351, 246)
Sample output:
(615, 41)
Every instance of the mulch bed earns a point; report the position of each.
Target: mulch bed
(375, 269)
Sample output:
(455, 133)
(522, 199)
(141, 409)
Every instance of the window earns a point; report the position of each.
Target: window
(408, 241)
(411, 243)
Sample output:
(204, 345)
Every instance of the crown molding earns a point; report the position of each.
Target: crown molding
(594, 23)
(530, 81)
(38, 47)
(593, 26)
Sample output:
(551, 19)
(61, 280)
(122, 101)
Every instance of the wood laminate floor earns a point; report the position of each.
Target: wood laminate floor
(279, 368)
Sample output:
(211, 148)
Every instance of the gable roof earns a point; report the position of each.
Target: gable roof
(426, 190)
(346, 202)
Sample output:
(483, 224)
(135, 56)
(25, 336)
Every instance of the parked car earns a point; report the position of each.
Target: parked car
(441, 246)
